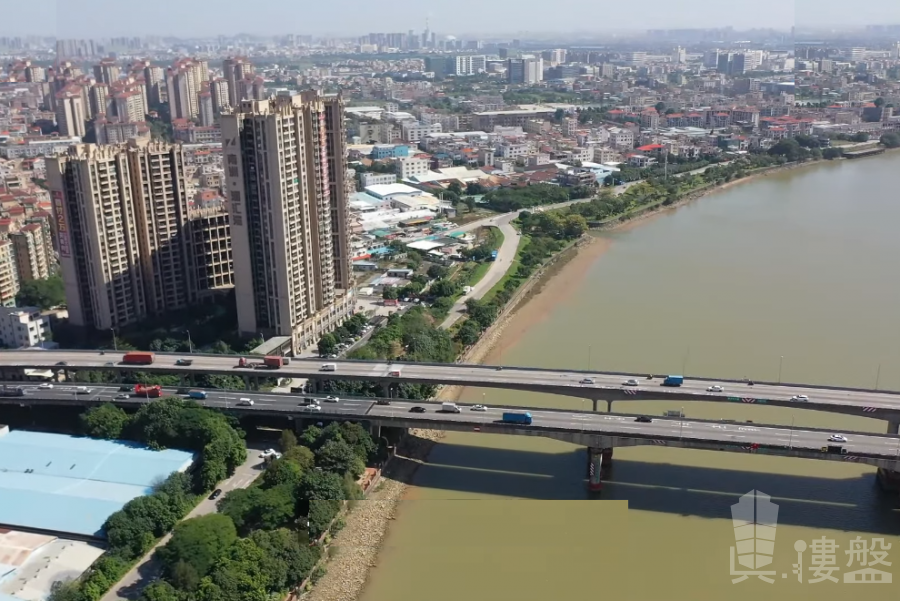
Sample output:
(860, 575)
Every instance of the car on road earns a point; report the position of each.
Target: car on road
(126, 388)
(630, 383)
(586, 381)
(478, 408)
(46, 386)
(837, 438)
(312, 407)
(215, 494)
(270, 453)
(82, 390)
(184, 362)
(331, 399)
(62, 363)
(417, 410)
(109, 364)
(123, 396)
(715, 388)
(800, 398)
(643, 419)
(245, 403)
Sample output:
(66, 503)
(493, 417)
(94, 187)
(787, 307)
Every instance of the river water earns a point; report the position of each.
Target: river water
(794, 273)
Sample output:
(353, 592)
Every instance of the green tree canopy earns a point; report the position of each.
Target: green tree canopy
(338, 457)
(320, 486)
(302, 456)
(199, 542)
(328, 344)
(43, 294)
(106, 421)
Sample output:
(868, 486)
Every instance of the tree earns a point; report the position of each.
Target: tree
(310, 436)
(338, 457)
(879, 102)
(660, 107)
(455, 187)
(302, 456)
(444, 288)
(320, 486)
(320, 515)
(891, 140)
(436, 272)
(64, 590)
(282, 471)
(106, 421)
(327, 344)
(160, 591)
(288, 440)
(470, 203)
(389, 293)
(43, 294)
(199, 542)
(284, 545)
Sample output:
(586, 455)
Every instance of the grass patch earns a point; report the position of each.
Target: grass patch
(477, 273)
(510, 273)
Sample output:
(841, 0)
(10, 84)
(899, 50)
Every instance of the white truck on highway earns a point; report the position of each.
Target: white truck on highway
(450, 408)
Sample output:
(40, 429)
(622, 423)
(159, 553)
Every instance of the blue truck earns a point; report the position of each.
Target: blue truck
(673, 381)
(493, 255)
(517, 418)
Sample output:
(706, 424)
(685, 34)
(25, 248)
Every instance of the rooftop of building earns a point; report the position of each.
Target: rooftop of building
(41, 472)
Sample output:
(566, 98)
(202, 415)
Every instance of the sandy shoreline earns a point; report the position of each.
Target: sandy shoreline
(359, 542)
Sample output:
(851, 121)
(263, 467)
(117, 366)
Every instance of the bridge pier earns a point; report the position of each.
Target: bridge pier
(386, 390)
(893, 426)
(247, 382)
(599, 462)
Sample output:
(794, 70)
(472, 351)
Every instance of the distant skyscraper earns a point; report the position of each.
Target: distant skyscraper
(235, 69)
(285, 161)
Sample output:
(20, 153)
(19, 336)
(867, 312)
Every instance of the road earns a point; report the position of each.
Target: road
(567, 382)
(148, 569)
(605, 423)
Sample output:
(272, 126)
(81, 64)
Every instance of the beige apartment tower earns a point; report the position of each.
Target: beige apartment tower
(124, 235)
(285, 167)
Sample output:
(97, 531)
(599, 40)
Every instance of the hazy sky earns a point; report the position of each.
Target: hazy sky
(100, 18)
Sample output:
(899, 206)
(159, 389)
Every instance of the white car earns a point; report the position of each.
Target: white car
(630, 383)
(123, 396)
(331, 399)
(82, 390)
(800, 398)
(478, 408)
(46, 386)
(587, 381)
(245, 403)
(838, 438)
(714, 389)
(268, 453)
(313, 408)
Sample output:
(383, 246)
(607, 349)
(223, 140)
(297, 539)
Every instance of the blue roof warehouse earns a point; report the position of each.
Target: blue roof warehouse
(71, 485)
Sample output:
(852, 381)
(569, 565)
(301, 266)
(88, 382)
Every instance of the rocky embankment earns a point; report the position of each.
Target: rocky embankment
(355, 548)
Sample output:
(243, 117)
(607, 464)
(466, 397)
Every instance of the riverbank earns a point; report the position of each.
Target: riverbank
(355, 548)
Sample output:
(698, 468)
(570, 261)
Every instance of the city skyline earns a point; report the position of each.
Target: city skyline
(498, 19)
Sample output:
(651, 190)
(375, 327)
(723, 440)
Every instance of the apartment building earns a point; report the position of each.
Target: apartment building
(121, 214)
(286, 177)
(212, 263)
(527, 70)
(470, 64)
(31, 254)
(9, 275)
(413, 131)
(235, 69)
(23, 327)
(70, 113)
(376, 179)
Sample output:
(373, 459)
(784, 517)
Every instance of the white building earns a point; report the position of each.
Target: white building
(23, 327)
(412, 167)
(470, 64)
(376, 179)
(413, 131)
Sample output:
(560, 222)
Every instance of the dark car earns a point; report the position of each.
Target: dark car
(182, 390)
(126, 388)
(109, 364)
(382, 402)
(417, 410)
(62, 363)
(643, 419)
(215, 494)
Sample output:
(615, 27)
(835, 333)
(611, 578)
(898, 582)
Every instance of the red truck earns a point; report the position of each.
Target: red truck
(138, 358)
(151, 392)
(273, 362)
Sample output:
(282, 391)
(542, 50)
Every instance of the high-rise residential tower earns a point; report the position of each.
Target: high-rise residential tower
(285, 171)
(125, 232)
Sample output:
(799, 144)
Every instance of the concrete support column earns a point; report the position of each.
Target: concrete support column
(595, 470)
(375, 431)
(386, 390)
(893, 426)
(609, 406)
(247, 382)
(888, 480)
(606, 458)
